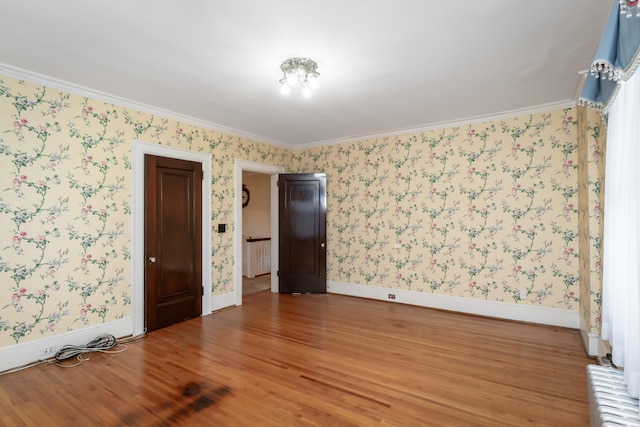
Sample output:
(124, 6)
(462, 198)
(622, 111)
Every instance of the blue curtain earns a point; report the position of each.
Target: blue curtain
(615, 60)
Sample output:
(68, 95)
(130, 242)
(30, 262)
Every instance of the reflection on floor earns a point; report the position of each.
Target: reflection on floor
(257, 284)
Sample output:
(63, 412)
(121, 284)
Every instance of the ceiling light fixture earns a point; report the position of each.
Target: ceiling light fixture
(300, 71)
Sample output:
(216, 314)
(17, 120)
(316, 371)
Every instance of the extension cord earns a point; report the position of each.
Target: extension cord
(101, 343)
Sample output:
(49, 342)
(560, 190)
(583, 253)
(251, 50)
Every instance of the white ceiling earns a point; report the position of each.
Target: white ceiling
(385, 65)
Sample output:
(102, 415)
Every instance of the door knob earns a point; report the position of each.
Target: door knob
(322, 245)
(152, 259)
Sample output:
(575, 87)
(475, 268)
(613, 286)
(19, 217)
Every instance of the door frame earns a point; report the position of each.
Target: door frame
(249, 166)
(139, 149)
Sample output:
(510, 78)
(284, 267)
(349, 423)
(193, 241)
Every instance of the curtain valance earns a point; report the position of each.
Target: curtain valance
(617, 55)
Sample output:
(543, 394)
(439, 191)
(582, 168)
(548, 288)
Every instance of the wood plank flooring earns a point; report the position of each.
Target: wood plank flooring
(316, 360)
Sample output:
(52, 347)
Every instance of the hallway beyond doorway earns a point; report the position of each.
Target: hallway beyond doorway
(255, 285)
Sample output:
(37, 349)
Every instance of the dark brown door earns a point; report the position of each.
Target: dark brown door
(173, 241)
(303, 213)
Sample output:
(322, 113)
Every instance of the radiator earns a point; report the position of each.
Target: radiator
(256, 257)
(609, 402)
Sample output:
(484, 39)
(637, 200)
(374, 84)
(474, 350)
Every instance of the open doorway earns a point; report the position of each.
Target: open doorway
(271, 171)
(256, 232)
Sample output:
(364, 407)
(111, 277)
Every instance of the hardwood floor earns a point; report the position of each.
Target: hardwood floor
(255, 284)
(316, 360)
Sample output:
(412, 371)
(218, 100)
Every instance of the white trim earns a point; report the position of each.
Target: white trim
(590, 341)
(139, 149)
(22, 354)
(245, 165)
(223, 301)
(444, 125)
(502, 310)
(30, 76)
(275, 231)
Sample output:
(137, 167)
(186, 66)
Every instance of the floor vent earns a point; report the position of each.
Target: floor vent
(609, 402)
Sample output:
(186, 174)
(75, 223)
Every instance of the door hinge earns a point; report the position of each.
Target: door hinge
(278, 183)
(202, 288)
(202, 175)
(278, 273)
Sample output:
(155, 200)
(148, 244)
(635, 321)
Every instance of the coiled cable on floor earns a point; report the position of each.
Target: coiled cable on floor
(103, 343)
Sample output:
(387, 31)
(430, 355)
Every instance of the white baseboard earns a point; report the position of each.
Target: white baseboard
(223, 301)
(17, 355)
(590, 341)
(22, 354)
(502, 310)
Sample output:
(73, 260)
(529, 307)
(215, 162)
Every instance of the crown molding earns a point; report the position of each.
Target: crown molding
(543, 108)
(32, 77)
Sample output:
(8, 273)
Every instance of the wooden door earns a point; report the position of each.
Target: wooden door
(173, 241)
(302, 234)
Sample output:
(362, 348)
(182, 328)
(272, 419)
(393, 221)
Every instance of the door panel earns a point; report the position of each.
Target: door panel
(173, 241)
(302, 235)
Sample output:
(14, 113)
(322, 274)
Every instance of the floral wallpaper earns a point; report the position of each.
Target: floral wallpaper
(591, 151)
(65, 188)
(486, 211)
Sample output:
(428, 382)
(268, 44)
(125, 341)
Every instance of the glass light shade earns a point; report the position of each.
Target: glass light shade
(299, 71)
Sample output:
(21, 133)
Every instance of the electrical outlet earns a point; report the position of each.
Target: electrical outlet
(523, 294)
(48, 351)
(392, 296)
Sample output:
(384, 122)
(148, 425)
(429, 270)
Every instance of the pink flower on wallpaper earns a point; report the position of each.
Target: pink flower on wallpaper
(87, 110)
(17, 182)
(84, 310)
(567, 165)
(18, 124)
